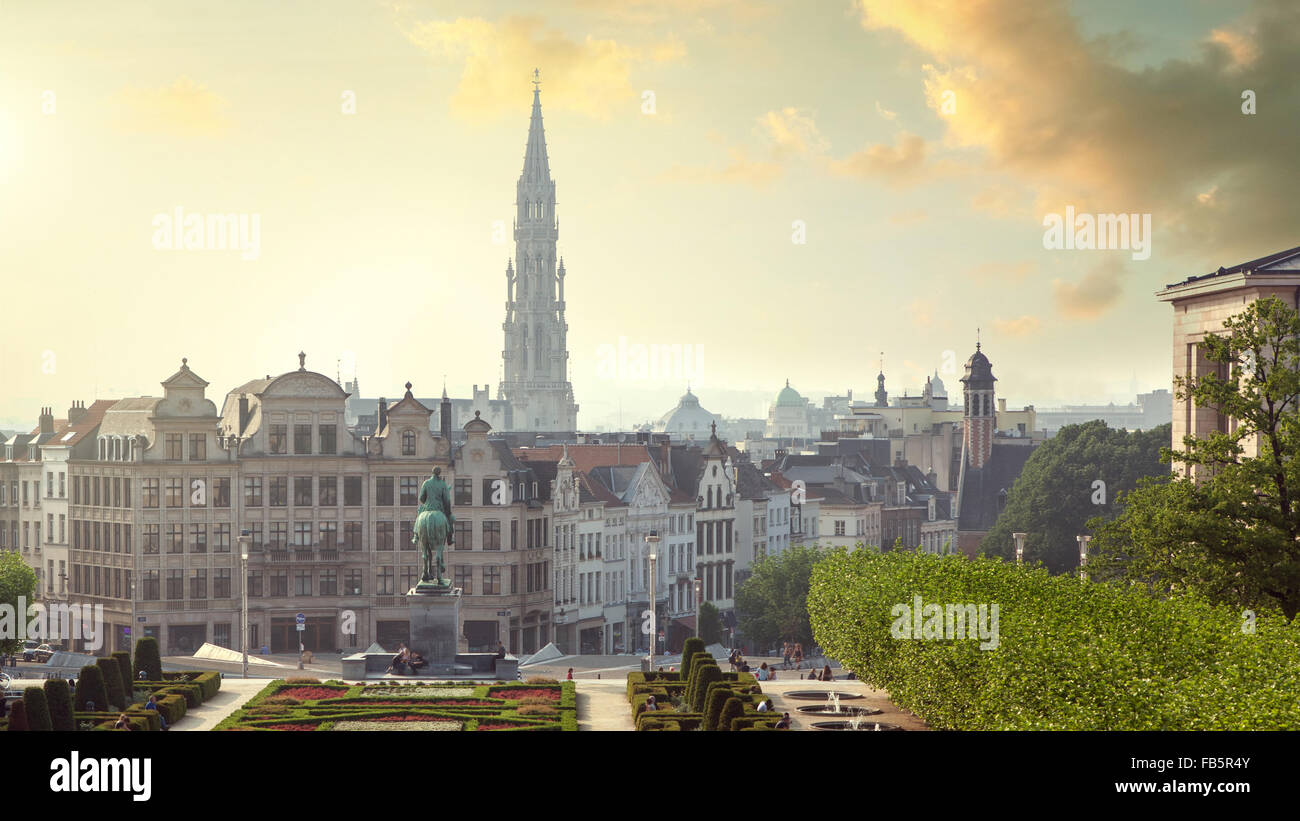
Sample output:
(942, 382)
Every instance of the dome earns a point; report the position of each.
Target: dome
(937, 387)
(789, 397)
(687, 417)
(978, 368)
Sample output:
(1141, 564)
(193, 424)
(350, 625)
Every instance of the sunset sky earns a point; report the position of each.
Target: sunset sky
(377, 227)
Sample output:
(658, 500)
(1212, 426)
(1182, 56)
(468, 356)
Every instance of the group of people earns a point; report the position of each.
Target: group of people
(792, 651)
(824, 675)
(738, 663)
(406, 662)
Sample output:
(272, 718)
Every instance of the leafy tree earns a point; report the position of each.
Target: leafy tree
(771, 605)
(1055, 496)
(710, 623)
(1230, 527)
(17, 580)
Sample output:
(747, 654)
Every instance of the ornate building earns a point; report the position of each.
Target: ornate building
(536, 355)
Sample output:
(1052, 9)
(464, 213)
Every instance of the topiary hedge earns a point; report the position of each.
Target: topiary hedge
(90, 689)
(117, 698)
(717, 696)
(123, 660)
(1070, 654)
(731, 710)
(58, 697)
(692, 646)
(38, 711)
(702, 676)
(147, 659)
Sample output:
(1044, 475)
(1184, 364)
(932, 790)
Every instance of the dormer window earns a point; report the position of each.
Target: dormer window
(408, 443)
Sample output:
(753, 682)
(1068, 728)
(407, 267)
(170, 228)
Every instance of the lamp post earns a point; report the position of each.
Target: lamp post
(244, 539)
(699, 597)
(653, 541)
(1020, 546)
(1083, 554)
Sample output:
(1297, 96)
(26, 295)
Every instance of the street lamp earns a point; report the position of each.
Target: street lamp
(1083, 554)
(1020, 546)
(699, 597)
(653, 540)
(244, 539)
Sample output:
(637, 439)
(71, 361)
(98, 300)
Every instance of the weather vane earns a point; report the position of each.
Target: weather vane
(537, 79)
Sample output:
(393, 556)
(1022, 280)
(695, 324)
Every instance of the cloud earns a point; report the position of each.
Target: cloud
(740, 169)
(183, 109)
(1063, 115)
(894, 165)
(1021, 326)
(1091, 296)
(886, 113)
(1001, 201)
(589, 76)
(792, 131)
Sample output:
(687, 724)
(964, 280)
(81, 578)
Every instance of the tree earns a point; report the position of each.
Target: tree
(1231, 529)
(58, 698)
(1057, 492)
(771, 605)
(113, 683)
(38, 711)
(90, 689)
(710, 623)
(147, 659)
(17, 581)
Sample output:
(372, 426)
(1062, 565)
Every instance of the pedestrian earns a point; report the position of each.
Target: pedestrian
(798, 656)
(763, 673)
(501, 650)
(826, 674)
(784, 723)
(570, 676)
(785, 652)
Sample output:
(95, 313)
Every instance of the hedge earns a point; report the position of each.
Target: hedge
(37, 710)
(123, 660)
(732, 710)
(90, 688)
(692, 646)
(1071, 654)
(702, 675)
(718, 695)
(113, 683)
(684, 721)
(58, 697)
(17, 717)
(147, 659)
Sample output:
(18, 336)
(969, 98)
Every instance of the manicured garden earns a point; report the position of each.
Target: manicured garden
(700, 697)
(306, 705)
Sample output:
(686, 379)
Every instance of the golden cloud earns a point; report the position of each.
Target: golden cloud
(740, 169)
(792, 131)
(1091, 296)
(183, 109)
(1021, 326)
(893, 164)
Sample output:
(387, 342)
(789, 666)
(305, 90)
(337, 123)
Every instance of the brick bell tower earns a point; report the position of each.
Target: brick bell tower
(979, 421)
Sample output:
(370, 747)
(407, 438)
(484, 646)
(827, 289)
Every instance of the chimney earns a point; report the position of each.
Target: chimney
(47, 420)
(383, 415)
(75, 412)
(243, 413)
(1002, 405)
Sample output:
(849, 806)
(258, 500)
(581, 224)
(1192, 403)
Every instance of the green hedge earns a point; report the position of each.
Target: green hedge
(123, 660)
(90, 687)
(1071, 655)
(692, 646)
(58, 696)
(147, 659)
(684, 721)
(113, 683)
(38, 711)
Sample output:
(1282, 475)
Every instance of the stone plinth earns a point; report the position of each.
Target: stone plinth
(435, 627)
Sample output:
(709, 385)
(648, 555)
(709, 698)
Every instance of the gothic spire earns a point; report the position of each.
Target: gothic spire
(536, 165)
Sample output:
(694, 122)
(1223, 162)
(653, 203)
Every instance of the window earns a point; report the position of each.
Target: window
(220, 491)
(329, 440)
(175, 583)
(175, 443)
(464, 537)
(352, 581)
(221, 583)
(302, 491)
(464, 492)
(198, 447)
(329, 535)
(464, 578)
(384, 582)
(302, 534)
(352, 535)
(150, 591)
(492, 534)
(329, 491)
(175, 538)
(302, 582)
(329, 582)
(280, 582)
(152, 540)
(279, 438)
(255, 537)
(491, 580)
(175, 497)
(514, 533)
(352, 490)
(198, 538)
(384, 490)
(279, 535)
(49, 485)
(410, 487)
(839, 527)
(408, 578)
(221, 537)
(117, 492)
(252, 491)
(408, 443)
(302, 439)
(254, 583)
(514, 579)
(383, 535)
(279, 491)
(404, 533)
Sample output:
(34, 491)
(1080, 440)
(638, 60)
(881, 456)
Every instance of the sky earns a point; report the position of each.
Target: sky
(785, 190)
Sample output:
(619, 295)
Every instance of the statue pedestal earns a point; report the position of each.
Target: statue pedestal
(435, 628)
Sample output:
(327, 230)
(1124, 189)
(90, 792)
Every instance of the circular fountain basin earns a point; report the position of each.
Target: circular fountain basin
(820, 695)
(867, 725)
(829, 710)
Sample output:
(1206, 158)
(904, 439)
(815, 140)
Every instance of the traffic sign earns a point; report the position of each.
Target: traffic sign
(301, 618)
(301, 627)
(141, 619)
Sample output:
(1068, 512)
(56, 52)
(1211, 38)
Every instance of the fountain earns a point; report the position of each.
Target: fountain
(833, 707)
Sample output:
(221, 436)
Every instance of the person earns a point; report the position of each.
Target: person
(763, 673)
(744, 666)
(399, 661)
(152, 704)
(651, 704)
(784, 723)
(143, 675)
(414, 662)
(765, 706)
(570, 675)
(501, 650)
(798, 656)
(826, 674)
(122, 723)
(785, 652)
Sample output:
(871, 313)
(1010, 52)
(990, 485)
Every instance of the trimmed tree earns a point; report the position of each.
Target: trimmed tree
(58, 697)
(123, 659)
(147, 659)
(17, 717)
(732, 710)
(692, 646)
(716, 698)
(38, 712)
(710, 623)
(90, 688)
(112, 682)
(708, 673)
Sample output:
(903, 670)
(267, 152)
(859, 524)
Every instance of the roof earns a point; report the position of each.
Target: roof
(87, 424)
(587, 457)
(982, 487)
(130, 417)
(1281, 261)
(789, 397)
(978, 368)
(590, 490)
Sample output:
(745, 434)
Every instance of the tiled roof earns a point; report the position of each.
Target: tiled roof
(84, 426)
(587, 457)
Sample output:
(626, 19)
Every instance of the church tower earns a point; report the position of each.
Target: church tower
(536, 354)
(979, 422)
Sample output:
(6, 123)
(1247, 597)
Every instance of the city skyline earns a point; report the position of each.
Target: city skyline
(686, 201)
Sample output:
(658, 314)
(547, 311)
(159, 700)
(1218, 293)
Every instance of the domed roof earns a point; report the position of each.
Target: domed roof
(937, 387)
(978, 368)
(789, 397)
(687, 417)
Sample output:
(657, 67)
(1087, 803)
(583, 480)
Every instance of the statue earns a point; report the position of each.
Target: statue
(433, 531)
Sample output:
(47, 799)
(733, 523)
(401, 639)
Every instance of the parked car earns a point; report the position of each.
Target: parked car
(41, 653)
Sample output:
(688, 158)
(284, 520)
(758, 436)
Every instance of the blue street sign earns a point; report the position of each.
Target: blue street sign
(301, 618)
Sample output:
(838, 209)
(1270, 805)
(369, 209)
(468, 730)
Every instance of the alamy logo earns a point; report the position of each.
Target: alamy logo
(932, 622)
(65, 622)
(1100, 232)
(77, 774)
(208, 232)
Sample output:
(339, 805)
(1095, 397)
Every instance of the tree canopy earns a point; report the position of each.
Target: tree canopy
(771, 605)
(17, 580)
(710, 626)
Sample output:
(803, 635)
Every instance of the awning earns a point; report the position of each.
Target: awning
(685, 621)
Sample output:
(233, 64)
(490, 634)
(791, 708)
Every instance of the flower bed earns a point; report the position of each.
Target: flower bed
(424, 707)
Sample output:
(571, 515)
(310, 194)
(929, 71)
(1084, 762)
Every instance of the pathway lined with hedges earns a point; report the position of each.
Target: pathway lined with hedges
(234, 692)
(602, 705)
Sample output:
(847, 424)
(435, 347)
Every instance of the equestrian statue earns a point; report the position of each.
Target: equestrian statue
(433, 532)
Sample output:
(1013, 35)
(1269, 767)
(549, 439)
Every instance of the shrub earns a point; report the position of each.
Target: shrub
(147, 659)
(123, 660)
(58, 697)
(718, 696)
(705, 674)
(37, 710)
(692, 646)
(17, 717)
(536, 710)
(113, 683)
(540, 680)
(302, 680)
(90, 688)
(731, 711)
(685, 721)
(209, 683)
